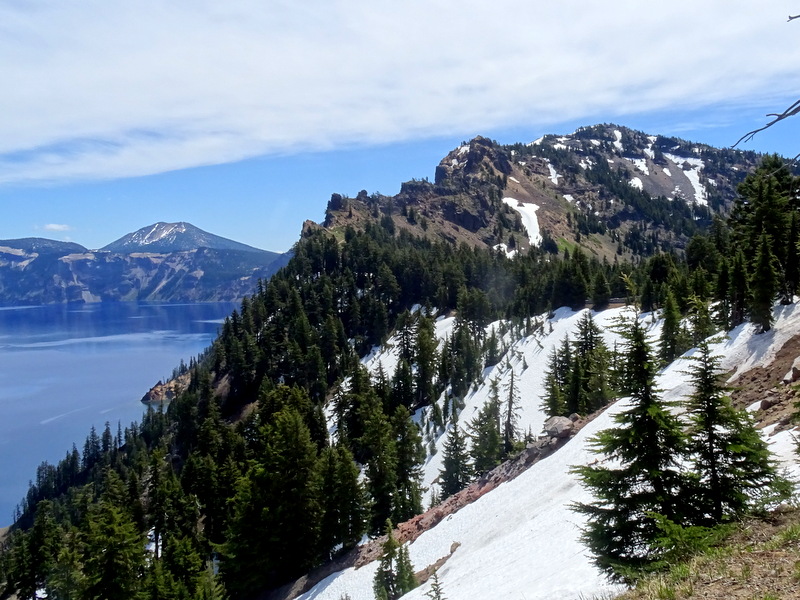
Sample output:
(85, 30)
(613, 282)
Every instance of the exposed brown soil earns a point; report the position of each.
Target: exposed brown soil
(765, 385)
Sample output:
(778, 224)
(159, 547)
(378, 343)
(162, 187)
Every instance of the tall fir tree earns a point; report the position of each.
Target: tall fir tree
(733, 465)
(456, 473)
(486, 447)
(764, 283)
(647, 445)
(395, 574)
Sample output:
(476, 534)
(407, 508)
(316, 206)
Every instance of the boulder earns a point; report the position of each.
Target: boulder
(794, 373)
(558, 427)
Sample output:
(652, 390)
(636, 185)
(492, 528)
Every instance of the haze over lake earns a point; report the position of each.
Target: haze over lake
(64, 368)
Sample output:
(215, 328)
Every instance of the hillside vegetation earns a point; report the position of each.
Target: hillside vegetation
(343, 395)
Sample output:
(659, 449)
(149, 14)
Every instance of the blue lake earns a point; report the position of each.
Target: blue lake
(65, 368)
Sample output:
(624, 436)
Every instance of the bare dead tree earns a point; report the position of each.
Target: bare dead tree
(777, 117)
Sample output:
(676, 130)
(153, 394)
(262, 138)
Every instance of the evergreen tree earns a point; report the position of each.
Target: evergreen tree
(511, 417)
(671, 331)
(113, 554)
(765, 284)
(487, 442)
(601, 291)
(410, 456)
(342, 499)
(739, 289)
(455, 474)
(731, 461)
(395, 575)
(647, 444)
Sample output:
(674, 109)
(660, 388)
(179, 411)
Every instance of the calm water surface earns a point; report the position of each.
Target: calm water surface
(65, 368)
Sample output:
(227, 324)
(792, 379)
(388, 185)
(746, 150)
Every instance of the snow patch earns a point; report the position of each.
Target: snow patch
(639, 163)
(618, 140)
(529, 219)
(504, 249)
(667, 172)
(636, 183)
(692, 174)
(514, 179)
(569, 198)
(553, 174)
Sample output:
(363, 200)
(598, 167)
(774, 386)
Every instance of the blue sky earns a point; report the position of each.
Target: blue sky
(243, 117)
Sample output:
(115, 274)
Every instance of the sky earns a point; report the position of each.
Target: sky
(242, 117)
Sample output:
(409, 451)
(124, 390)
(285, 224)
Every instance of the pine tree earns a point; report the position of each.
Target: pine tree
(113, 554)
(648, 444)
(601, 291)
(487, 442)
(511, 417)
(671, 331)
(410, 455)
(765, 284)
(436, 592)
(739, 289)
(455, 474)
(731, 461)
(395, 575)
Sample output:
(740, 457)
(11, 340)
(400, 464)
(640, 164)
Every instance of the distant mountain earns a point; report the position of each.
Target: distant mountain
(42, 246)
(612, 190)
(166, 262)
(174, 237)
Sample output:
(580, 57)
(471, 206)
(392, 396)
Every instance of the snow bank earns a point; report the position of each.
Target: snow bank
(522, 540)
(529, 219)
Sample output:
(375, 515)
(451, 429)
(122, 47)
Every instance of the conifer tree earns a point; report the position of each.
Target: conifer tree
(511, 417)
(410, 456)
(647, 444)
(342, 500)
(487, 442)
(113, 554)
(764, 284)
(455, 474)
(739, 289)
(601, 290)
(733, 466)
(395, 574)
(427, 356)
(671, 332)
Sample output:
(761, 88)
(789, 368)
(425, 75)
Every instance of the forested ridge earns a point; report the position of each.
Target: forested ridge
(240, 485)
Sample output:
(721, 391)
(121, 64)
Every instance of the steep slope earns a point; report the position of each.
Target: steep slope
(163, 238)
(612, 190)
(521, 539)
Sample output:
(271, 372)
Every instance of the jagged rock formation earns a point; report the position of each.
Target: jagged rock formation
(609, 189)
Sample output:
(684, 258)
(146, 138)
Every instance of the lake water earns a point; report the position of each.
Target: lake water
(65, 368)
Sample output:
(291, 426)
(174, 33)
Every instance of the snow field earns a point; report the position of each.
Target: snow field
(693, 175)
(522, 540)
(529, 219)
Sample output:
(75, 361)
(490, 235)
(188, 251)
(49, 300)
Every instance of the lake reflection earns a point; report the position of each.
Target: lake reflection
(65, 368)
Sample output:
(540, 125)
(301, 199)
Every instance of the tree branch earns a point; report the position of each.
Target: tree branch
(789, 112)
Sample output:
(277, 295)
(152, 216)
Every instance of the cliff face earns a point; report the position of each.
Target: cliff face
(200, 275)
(613, 191)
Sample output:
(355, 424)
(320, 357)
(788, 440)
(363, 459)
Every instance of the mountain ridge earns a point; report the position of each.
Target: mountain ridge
(162, 238)
(177, 263)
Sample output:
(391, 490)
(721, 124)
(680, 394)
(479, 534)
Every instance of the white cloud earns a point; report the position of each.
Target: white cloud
(102, 89)
(56, 227)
